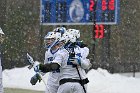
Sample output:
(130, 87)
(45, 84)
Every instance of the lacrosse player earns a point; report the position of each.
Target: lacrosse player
(1, 40)
(81, 52)
(66, 62)
(69, 77)
(50, 41)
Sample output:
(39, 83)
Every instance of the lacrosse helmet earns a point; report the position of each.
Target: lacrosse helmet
(64, 39)
(74, 32)
(72, 38)
(51, 38)
(61, 30)
(77, 33)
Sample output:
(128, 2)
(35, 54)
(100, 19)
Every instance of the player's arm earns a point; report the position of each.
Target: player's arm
(53, 66)
(48, 67)
(43, 68)
(82, 61)
(85, 63)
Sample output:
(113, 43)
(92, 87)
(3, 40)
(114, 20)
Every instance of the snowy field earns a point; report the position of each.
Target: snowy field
(100, 81)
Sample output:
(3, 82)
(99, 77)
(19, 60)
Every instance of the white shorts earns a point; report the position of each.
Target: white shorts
(51, 89)
(70, 87)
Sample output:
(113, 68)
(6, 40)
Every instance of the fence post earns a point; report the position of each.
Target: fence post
(134, 69)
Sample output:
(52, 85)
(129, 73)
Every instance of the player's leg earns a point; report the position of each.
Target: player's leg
(51, 89)
(65, 88)
(77, 88)
(1, 85)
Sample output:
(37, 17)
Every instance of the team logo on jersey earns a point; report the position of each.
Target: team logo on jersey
(50, 59)
(76, 11)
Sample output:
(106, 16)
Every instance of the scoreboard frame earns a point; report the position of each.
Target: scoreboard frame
(83, 20)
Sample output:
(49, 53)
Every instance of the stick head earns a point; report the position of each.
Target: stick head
(30, 59)
(31, 66)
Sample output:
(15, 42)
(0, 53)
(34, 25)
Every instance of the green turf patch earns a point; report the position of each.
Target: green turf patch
(14, 90)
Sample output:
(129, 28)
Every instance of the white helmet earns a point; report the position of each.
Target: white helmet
(74, 32)
(65, 37)
(1, 32)
(77, 33)
(61, 30)
(53, 37)
(72, 38)
(70, 30)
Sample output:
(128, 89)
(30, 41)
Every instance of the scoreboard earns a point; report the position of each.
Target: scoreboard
(79, 12)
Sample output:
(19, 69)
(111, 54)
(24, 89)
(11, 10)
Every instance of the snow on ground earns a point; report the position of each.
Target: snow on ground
(103, 82)
(20, 78)
(100, 81)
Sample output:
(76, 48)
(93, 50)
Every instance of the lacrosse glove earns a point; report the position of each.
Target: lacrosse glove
(35, 79)
(36, 68)
(75, 60)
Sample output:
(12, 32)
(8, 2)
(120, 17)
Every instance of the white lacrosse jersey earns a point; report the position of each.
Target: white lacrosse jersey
(67, 69)
(53, 78)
